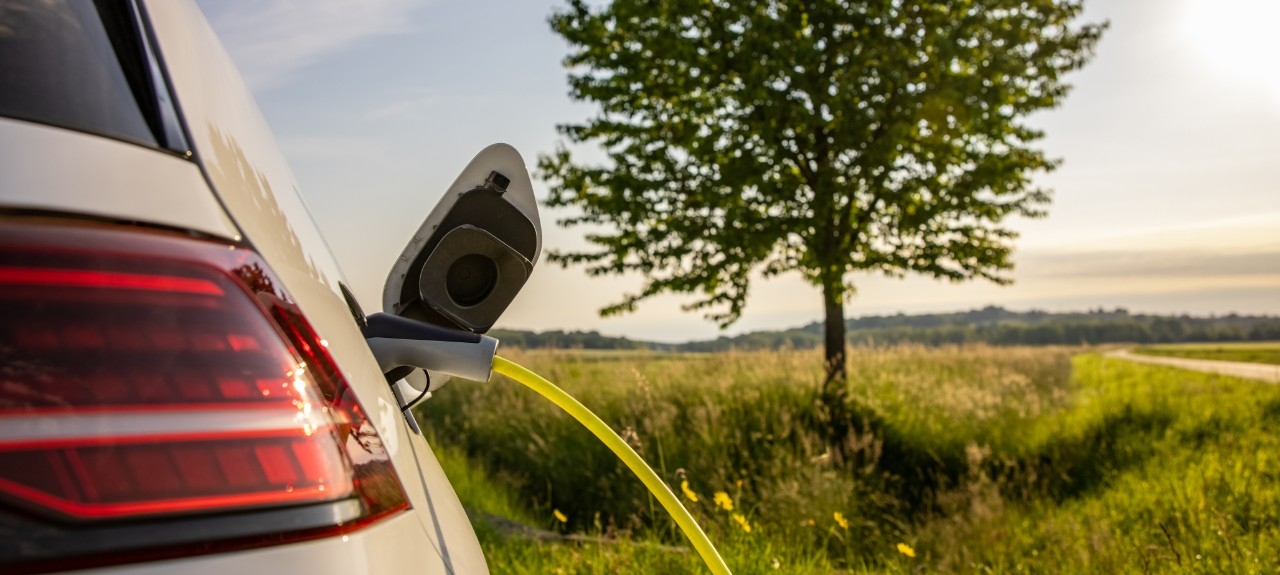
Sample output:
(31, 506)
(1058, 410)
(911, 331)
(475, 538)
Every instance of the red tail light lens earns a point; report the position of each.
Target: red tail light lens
(146, 374)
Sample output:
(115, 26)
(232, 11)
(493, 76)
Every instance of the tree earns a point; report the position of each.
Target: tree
(826, 137)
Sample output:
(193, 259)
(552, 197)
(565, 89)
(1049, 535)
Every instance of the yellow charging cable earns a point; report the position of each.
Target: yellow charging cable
(623, 451)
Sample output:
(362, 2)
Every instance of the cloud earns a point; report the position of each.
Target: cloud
(409, 106)
(1248, 232)
(1151, 263)
(270, 40)
(327, 148)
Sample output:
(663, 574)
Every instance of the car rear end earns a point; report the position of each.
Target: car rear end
(183, 382)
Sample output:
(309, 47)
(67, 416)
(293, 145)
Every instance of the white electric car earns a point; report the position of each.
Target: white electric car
(186, 385)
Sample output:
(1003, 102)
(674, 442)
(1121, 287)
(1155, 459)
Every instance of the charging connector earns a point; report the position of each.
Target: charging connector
(399, 342)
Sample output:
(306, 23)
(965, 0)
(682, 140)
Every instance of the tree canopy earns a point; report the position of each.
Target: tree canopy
(824, 137)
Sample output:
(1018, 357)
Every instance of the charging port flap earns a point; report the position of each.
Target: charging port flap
(475, 250)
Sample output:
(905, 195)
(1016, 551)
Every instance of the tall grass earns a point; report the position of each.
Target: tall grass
(1157, 470)
(973, 458)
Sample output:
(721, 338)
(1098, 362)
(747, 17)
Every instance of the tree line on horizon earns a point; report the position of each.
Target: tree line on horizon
(992, 325)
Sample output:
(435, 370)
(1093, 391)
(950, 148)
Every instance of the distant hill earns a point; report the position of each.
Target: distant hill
(991, 325)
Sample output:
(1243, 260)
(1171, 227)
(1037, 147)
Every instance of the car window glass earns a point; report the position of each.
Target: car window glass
(58, 66)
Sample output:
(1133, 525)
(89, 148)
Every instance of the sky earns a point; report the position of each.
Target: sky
(1168, 200)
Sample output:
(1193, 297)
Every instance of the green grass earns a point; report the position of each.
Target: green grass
(606, 550)
(980, 459)
(481, 488)
(1251, 352)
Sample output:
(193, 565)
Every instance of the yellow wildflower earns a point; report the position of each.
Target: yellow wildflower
(905, 549)
(742, 522)
(684, 486)
(841, 521)
(560, 516)
(723, 501)
(810, 522)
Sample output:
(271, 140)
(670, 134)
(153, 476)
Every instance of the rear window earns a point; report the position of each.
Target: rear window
(73, 63)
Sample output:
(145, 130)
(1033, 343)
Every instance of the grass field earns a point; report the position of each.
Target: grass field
(964, 460)
(1252, 352)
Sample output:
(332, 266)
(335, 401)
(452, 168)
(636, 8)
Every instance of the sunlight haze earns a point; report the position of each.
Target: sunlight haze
(1168, 199)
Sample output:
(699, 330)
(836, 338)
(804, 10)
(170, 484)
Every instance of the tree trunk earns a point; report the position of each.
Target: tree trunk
(835, 391)
(833, 341)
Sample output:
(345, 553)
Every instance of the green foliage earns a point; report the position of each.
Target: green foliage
(744, 555)
(979, 459)
(823, 137)
(998, 326)
(559, 339)
(1263, 352)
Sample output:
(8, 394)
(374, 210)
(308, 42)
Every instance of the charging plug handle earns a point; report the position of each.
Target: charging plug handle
(401, 342)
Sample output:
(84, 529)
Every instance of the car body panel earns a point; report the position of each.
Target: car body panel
(391, 546)
(236, 186)
(246, 170)
(105, 178)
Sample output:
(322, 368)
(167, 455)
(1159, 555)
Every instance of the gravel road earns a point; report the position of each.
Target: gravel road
(1259, 371)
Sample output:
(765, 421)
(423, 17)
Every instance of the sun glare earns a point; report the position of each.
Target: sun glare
(1237, 39)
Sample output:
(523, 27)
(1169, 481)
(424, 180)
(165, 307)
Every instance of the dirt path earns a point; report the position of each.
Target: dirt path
(1259, 371)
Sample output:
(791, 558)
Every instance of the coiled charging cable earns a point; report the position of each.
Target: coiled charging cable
(624, 452)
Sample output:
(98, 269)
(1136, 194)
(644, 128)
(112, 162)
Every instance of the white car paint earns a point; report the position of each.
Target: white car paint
(390, 547)
(248, 173)
(105, 178)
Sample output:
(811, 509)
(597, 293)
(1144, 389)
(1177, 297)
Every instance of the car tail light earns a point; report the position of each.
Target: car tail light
(148, 375)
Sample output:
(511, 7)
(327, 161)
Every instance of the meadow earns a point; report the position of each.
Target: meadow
(1252, 352)
(959, 460)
